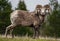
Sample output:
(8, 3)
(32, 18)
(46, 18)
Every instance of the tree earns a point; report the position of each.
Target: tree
(54, 19)
(21, 5)
(54, 3)
(51, 28)
(5, 10)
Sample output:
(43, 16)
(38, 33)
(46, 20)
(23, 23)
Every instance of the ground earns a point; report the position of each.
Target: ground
(25, 38)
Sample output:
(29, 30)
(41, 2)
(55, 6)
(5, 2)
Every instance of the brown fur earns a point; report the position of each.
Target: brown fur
(25, 18)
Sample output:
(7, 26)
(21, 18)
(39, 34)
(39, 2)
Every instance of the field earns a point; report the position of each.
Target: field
(26, 39)
(22, 39)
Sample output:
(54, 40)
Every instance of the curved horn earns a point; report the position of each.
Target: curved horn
(39, 6)
(47, 6)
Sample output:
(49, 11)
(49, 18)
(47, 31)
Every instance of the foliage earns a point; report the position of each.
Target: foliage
(23, 31)
(5, 10)
(54, 21)
(52, 29)
(21, 5)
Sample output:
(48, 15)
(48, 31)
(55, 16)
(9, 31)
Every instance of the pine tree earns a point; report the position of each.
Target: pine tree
(53, 28)
(54, 19)
(21, 5)
(54, 3)
(5, 10)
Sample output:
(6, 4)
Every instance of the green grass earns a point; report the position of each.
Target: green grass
(23, 39)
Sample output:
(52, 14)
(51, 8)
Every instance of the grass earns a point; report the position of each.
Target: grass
(23, 39)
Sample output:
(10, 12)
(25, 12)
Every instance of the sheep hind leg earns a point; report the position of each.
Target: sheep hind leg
(9, 28)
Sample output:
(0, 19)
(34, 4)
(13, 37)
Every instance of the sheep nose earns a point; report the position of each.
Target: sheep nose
(42, 11)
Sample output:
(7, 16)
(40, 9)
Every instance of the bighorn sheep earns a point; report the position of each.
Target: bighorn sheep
(25, 18)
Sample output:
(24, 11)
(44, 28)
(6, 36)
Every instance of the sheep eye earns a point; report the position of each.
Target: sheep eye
(46, 10)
